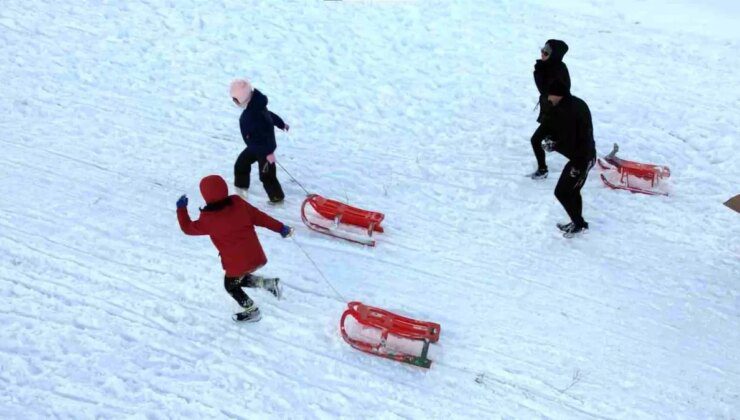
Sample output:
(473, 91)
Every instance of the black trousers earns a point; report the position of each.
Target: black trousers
(233, 286)
(539, 152)
(267, 171)
(568, 190)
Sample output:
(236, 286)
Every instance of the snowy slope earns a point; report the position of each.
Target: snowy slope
(423, 110)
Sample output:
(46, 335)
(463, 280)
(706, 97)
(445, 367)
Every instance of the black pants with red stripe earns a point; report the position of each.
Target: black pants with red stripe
(568, 190)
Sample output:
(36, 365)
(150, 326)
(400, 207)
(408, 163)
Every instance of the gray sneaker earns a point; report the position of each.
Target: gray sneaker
(575, 230)
(539, 174)
(565, 226)
(247, 316)
(273, 286)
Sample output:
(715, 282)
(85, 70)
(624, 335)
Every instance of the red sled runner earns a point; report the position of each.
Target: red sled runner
(332, 214)
(621, 174)
(388, 327)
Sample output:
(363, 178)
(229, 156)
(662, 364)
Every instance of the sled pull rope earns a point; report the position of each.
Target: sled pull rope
(316, 266)
(323, 276)
(292, 177)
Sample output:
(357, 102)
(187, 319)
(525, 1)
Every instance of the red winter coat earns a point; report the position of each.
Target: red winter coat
(230, 222)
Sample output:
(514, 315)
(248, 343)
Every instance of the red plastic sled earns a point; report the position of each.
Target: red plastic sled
(632, 176)
(390, 324)
(335, 213)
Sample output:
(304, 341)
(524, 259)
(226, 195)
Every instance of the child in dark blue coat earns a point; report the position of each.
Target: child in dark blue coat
(257, 125)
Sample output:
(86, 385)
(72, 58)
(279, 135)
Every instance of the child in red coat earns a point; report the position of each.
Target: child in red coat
(230, 222)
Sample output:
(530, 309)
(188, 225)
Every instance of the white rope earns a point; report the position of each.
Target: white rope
(323, 276)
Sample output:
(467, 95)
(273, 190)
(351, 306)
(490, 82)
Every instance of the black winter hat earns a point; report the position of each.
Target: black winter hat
(558, 88)
(558, 49)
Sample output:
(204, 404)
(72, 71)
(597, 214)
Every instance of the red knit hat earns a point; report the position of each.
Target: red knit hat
(213, 188)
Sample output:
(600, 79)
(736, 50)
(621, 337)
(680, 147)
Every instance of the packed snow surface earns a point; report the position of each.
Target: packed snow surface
(423, 110)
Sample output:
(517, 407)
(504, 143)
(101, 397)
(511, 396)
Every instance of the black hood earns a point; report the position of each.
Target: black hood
(257, 102)
(559, 48)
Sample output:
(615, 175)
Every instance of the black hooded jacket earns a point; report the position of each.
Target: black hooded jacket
(569, 124)
(545, 72)
(257, 125)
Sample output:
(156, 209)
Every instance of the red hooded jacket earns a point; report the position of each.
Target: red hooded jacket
(230, 222)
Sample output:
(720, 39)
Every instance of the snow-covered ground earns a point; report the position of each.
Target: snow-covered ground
(423, 110)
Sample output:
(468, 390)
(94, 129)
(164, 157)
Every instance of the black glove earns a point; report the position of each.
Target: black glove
(548, 144)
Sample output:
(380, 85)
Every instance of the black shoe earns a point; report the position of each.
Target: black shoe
(564, 227)
(276, 200)
(576, 230)
(253, 315)
(539, 174)
(251, 312)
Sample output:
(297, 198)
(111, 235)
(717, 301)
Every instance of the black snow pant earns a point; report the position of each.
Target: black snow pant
(568, 190)
(233, 286)
(267, 170)
(539, 153)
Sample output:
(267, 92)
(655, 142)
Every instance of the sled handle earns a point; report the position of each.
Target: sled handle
(425, 351)
(614, 151)
(371, 229)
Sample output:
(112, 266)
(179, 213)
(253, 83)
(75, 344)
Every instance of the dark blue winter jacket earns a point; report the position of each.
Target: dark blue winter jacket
(258, 124)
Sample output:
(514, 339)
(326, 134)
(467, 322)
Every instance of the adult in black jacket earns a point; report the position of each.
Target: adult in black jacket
(548, 69)
(257, 127)
(569, 131)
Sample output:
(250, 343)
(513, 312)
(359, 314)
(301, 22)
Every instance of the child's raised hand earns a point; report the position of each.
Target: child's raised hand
(182, 201)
